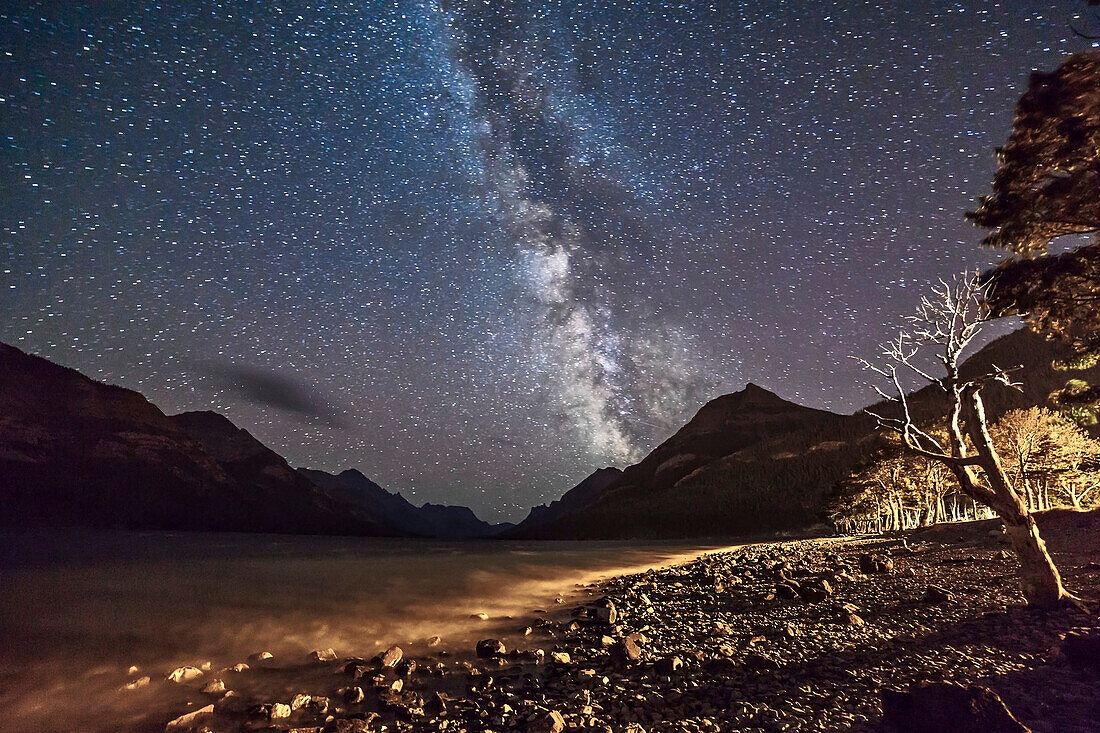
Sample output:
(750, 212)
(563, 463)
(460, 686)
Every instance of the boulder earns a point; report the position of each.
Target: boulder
(353, 695)
(605, 612)
(758, 662)
(322, 655)
(626, 650)
(936, 594)
(931, 707)
(184, 674)
(668, 666)
(1081, 650)
(213, 687)
(814, 591)
(390, 657)
(436, 705)
(346, 725)
(193, 721)
(550, 722)
(788, 591)
(875, 564)
(489, 648)
(137, 684)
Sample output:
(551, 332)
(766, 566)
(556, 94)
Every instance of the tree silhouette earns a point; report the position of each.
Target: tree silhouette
(1047, 185)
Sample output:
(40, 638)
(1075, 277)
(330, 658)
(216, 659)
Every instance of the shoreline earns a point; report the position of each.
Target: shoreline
(782, 635)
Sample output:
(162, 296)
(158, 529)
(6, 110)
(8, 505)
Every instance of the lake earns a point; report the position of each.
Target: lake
(78, 608)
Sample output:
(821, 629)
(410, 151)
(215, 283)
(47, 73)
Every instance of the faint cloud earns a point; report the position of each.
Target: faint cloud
(284, 391)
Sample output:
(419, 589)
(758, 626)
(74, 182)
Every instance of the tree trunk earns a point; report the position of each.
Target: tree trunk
(1039, 578)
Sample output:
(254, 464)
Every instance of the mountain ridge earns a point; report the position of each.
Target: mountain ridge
(78, 452)
(768, 469)
(428, 520)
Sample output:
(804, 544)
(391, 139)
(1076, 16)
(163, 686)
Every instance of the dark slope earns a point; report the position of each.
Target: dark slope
(753, 463)
(430, 520)
(77, 452)
(577, 498)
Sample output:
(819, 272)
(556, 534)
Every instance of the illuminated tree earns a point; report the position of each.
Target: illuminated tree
(945, 325)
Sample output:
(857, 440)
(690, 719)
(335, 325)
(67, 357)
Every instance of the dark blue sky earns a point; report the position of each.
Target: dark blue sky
(479, 249)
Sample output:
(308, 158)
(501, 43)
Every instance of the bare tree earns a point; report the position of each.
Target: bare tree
(946, 323)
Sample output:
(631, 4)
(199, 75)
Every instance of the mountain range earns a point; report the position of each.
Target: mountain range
(74, 451)
(77, 452)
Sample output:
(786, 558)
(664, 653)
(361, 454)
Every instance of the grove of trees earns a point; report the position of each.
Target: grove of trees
(1050, 458)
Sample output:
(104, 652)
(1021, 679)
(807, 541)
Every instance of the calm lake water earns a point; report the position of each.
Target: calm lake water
(77, 609)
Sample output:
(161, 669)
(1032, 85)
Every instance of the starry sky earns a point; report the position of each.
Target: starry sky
(478, 249)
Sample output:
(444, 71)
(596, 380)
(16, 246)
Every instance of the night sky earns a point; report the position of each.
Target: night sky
(479, 249)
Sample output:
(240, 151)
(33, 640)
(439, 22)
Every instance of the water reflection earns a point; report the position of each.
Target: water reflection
(79, 608)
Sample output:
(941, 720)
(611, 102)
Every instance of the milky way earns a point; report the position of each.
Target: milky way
(486, 248)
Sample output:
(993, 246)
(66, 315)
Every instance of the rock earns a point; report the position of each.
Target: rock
(851, 619)
(720, 666)
(481, 616)
(323, 655)
(668, 666)
(551, 722)
(814, 591)
(391, 656)
(1082, 650)
(239, 667)
(787, 591)
(213, 687)
(605, 612)
(193, 721)
(560, 657)
(299, 701)
(356, 670)
(489, 648)
(136, 684)
(931, 707)
(279, 710)
(436, 705)
(626, 650)
(260, 657)
(346, 725)
(936, 594)
(434, 641)
(758, 662)
(353, 695)
(875, 564)
(184, 674)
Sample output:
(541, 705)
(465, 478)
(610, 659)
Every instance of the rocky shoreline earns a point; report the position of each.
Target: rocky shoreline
(800, 635)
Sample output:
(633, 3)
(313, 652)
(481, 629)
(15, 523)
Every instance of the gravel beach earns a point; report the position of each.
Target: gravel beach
(773, 636)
